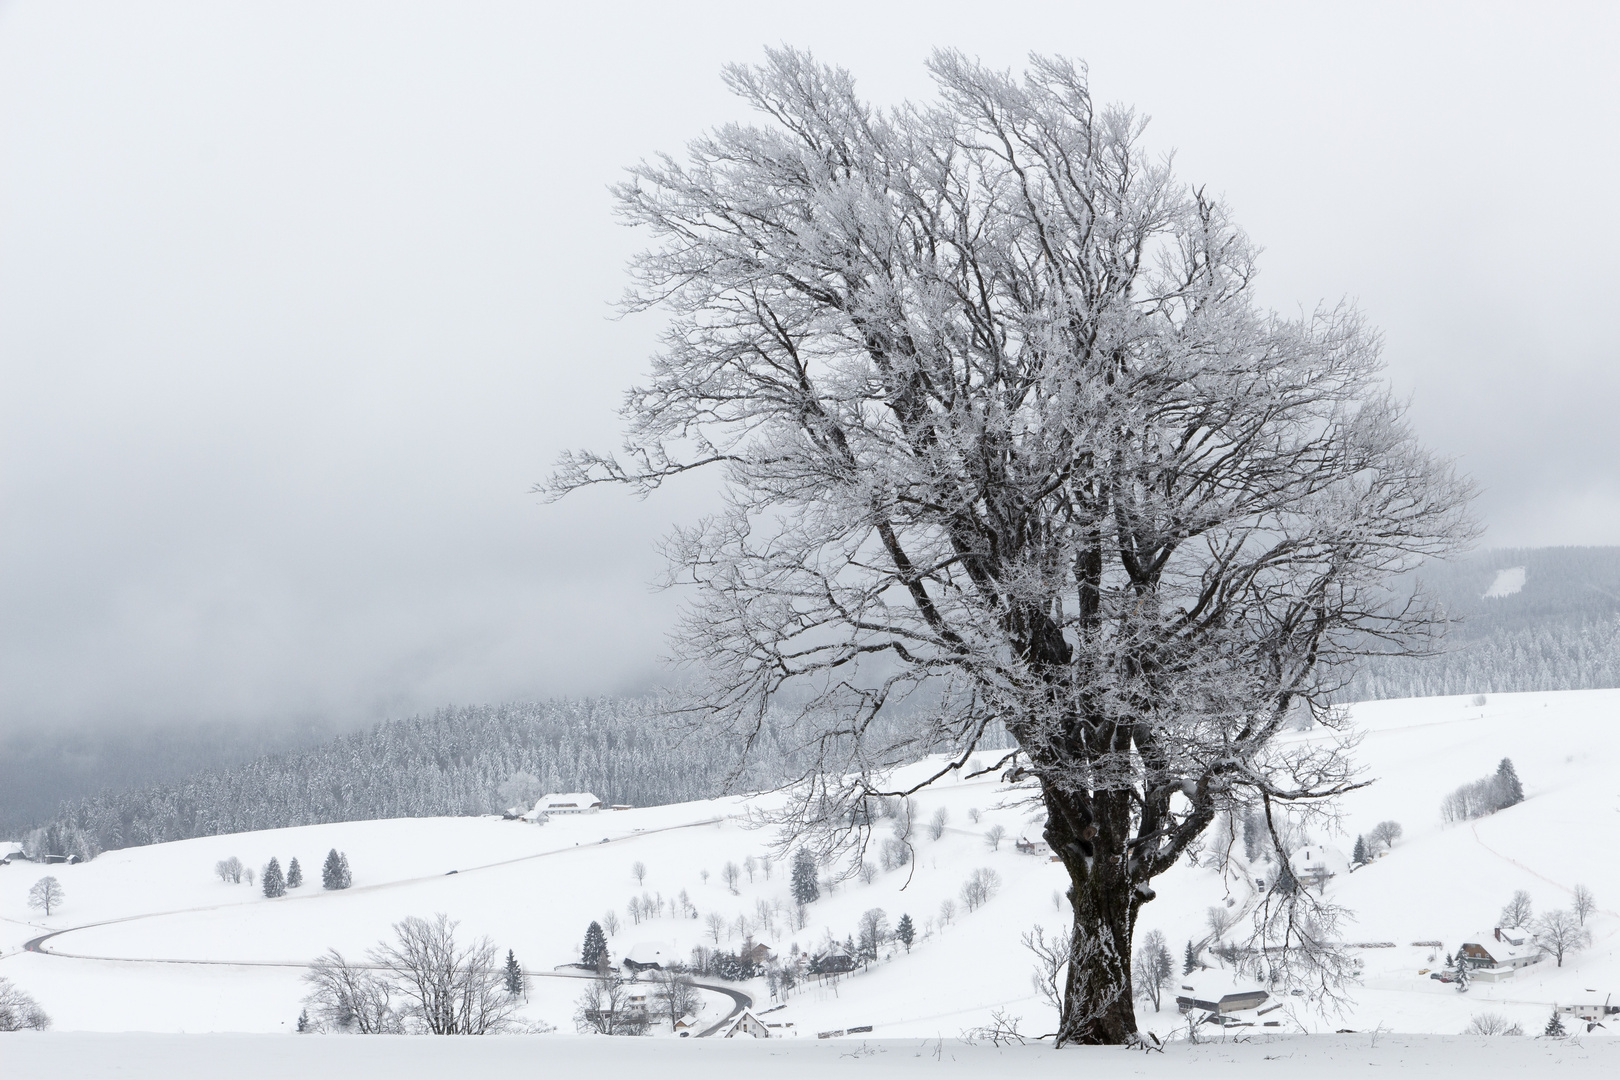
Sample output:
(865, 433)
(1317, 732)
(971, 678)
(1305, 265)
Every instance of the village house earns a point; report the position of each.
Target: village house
(648, 956)
(1218, 993)
(567, 802)
(11, 851)
(1591, 1011)
(759, 954)
(1313, 864)
(745, 1023)
(1498, 954)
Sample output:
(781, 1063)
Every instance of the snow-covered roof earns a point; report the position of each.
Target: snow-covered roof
(563, 799)
(10, 847)
(1216, 985)
(1503, 951)
(1513, 935)
(649, 952)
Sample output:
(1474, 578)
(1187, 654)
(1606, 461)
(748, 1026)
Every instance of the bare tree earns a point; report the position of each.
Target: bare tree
(937, 823)
(47, 894)
(980, 886)
(1491, 1023)
(1561, 932)
(994, 835)
(989, 356)
(1155, 968)
(610, 922)
(1051, 961)
(676, 995)
(1518, 910)
(873, 932)
(1385, 833)
(229, 870)
(638, 870)
(604, 1008)
(19, 1011)
(1220, 920)
(451, 989)
(349, 997)
(867, 873)
(731, 874)
(947, 911)
(716, 924)
(1582, 903)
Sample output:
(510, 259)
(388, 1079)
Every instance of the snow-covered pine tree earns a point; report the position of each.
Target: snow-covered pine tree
(295, 873)
(1359, 856)
(906, 932)
(303, 1022)
(594, 954)
(1555, 1026)
(332, 872)
(514, 974)
(1507, 779)
(272, 882)
(345, 875)
(1461, 972)
(805, 889)
(1189, 963)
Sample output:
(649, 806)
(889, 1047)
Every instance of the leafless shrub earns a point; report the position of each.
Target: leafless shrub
(19, 1011)
(1491, 1023)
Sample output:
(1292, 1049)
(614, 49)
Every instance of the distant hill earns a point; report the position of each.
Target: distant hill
(1558, 630)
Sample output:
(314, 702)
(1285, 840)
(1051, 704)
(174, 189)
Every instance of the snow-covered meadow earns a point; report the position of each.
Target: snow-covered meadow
(168, 947)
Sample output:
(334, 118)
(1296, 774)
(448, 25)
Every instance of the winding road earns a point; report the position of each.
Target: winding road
(739, 1000)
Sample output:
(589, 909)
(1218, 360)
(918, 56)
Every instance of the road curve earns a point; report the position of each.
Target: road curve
(739, 1002)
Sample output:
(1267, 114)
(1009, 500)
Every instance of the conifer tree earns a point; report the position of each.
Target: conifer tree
(1507, 779)
(332, 872)
(1555, 1026)
(805, 889)
(345, 875)
(594, 954)
(273, 883)
(1189, 963)
(1359, 856)
(906, 932)
(295, 873)
(303, 1022)
(514, 974)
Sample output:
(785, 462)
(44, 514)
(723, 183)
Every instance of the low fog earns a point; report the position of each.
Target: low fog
(297, 303)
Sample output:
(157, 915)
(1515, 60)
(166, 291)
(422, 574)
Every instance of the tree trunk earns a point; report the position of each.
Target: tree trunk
(1098, 1006)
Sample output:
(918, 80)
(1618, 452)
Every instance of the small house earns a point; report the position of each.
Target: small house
(758, 955)
(1500, 953)
(11, 851)
(1591, 1011)
(1036, 846)
(686, 1025)
(567, 802)
(745, 1023)
(1218, 992)
(1313, 864)
(648, 956)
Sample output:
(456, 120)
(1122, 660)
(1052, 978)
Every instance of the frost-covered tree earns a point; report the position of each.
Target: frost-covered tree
(449, 988)
(731, 873)
(348, 996)
(937, 822)
(905, 931)
(1000, 419)
(1555, 1026)
(638, 870)
(19, 1011)
(1582, 903)
(994, 835)
(805, 890)
(46, 894)
(1384, 834)
(873, 932)
(1517, 911)
(1359, 855)
(229, 870)
(980, 887)
(1561, 933)
(295, 873)
(593, 954)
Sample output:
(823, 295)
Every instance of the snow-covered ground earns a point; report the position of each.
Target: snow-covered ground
(267, 1057)
(167, 947)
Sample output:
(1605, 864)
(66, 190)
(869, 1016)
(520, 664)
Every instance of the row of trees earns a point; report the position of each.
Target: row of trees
(423, 980)
(1486, 795)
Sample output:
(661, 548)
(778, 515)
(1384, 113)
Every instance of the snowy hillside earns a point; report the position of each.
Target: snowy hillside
(166, 946)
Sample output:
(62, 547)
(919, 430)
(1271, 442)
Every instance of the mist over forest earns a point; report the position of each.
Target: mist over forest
(125, 787)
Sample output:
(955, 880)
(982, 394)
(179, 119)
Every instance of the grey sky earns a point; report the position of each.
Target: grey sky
(298, 300)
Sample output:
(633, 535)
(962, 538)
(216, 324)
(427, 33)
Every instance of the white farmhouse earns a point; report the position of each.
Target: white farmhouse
(1498, 954)
(567, 802)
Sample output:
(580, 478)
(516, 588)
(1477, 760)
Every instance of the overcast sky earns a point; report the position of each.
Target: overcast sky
(297, 301)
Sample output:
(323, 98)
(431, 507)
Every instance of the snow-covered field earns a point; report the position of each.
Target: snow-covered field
(167, 947)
